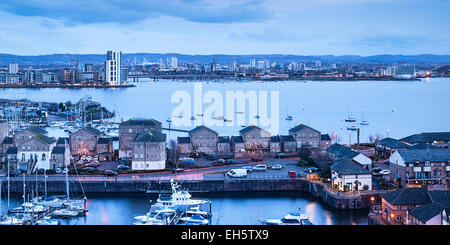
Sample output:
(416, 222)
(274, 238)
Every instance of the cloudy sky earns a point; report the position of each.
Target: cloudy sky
(303, 27)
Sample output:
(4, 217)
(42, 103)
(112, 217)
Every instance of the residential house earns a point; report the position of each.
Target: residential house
(325, 142)
(224, 147)
(28, 133)
(84, 141)
(338, 151)
(257, 141)
(11, 157)
(184, 145)
(62, 141)
(238, 146)
(288, 144)
(35, 153)
(275, 144)
(349, 176)
(204, 139)
(128, 131)
(6, 143)
(60, 157)
(4, 130)
(420, 167)
(306, 137)
(387, 146)
(149, 151)
(104, 149)
(441, 139)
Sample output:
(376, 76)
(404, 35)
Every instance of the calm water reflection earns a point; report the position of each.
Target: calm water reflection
(227, 208)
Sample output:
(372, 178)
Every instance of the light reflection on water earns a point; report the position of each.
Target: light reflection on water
(227, 208)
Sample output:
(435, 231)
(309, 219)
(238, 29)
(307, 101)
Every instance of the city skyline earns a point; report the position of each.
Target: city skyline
(344, 27)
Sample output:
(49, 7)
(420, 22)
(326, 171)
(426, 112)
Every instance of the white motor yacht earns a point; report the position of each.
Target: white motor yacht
(293, 218)
(194, 220)
(47, 220)
(156, 217)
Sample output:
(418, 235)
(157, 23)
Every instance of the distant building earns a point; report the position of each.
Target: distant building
(84, 141)
(387, 146)
(257, 141)
(173, 62)
(441, 139)
(113, 68)
(339, 152)
(13, 68)
(405, 71)
(204, 140)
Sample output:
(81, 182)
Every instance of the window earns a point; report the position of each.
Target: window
(43, 157)
(398, 218)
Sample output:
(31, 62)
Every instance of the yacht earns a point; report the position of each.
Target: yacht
(64, 212)
(196, 210)
(194, 220)
(179, 200)
(157, 217)
(292, 218)
(352, 128)
(47, 221)
(11, 220)
(288, 118)
(52, 201)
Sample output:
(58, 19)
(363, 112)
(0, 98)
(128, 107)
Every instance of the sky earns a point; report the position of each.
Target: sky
(299, 27)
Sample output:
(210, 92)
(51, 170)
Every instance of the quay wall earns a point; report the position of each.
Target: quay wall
(333, 200)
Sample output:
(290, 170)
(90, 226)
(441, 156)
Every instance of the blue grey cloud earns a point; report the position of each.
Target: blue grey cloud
(128, 11)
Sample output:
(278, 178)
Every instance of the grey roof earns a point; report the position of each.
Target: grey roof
(275, 139)
(325, 137)
(150, 136)
(62, 140)
(249, 128)
(426, 212)
(59, 150)
(184, 140)
(37, 130)
(427, 137)
(142, 122)
(287, 138)
(45, 139)
(423, 146)
(408, 196)
(237, 139)
(392, 143)
(224, 139)
(342, 152)
(11, 150)
(300, 127)
(104, 141)
(93, 130)
(442, 197)
(423, 155)
(7, 140)
(200, 128)
(347, 167)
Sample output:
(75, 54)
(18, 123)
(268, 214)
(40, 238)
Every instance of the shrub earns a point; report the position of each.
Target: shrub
(365, 187)
(302, 163)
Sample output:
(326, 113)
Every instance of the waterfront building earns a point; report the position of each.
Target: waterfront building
(387, 146)
(173, 62)
(421, 167)
(349, 176)
(275, 144)
(414, 206)
(4, 129)
(104, 149)
(84, 141)
(113, 68)
(13, 68)
(306, 137)
(128, 130)
(325, 142)
(62, 141)
(11, 157)
(288, 144)
(14, 78)
(238, 146)
(184, 145)
(3, 77)
(341, 152)
(405, 71)
(224, 146)
(204, 139)
(28, 133)
(60, 157)
(149, 151)
(34, 153)
(257, 141)
(441, 139)
(6, 143)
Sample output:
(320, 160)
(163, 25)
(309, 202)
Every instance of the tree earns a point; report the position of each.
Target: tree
(173, 152)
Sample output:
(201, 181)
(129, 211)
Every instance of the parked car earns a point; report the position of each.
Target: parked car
(277, 167)
(292, 174)
(124, 162)
(376, 170)
(229, 161)
(41, 171)
(211, 157)
(110, 173)
(221, 161)
(92, 165)
(385, 172)
(255, 159)
(123, 167)
(176, 170)
(260, 167)
(281, 155)
(14, 173)
(248, 168)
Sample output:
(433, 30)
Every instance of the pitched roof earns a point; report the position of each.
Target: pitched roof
(141, 122)
(423, 155)
(7, 140)
(427, 137)
(423, 146)
(195, 130)
(275, 138)
(287, 138)
(62, 140)
(224, 139)
(184, 140)
(150, 136)
(11, 150)
(392, 143)
(250, 128)
(347, 167)
(426, 212)
(93, 130)
(300, 127)
(36, 130)
(237, 139)
(442, 197)
(58, 150)
(342, 152)
(104, 140)
(45, 139)
(325, 137)
(408, 196)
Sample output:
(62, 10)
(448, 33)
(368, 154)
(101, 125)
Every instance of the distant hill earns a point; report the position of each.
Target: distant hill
(70, 59)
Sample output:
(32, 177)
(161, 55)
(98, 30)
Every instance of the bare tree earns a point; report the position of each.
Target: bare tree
(173, 152)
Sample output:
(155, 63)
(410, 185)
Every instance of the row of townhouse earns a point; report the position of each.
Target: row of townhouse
(415, 206)
(252, 141)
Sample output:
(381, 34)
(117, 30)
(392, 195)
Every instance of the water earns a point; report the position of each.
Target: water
(227, 208)
(394, 108)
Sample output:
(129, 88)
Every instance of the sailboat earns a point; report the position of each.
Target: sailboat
(288, 117)
(350, 118)
(363, 122)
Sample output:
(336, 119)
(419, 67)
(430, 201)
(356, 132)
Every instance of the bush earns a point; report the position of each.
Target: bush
(346, 188)
(365, 187)
(50, 171)
(302, 163)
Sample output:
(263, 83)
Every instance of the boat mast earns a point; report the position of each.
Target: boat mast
(67, 176)
(24, 200)
(7, 162)
(45, 185)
